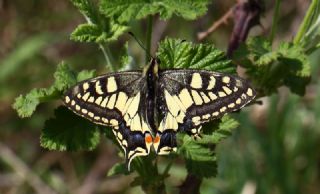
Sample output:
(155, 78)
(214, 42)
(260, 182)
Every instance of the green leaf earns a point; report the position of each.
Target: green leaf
(270, 69)
(70, 132)
(94, 33)
(175, 53)
(125, 11)
(118, 168)
(200, 159)
(64, 77)
(99, 28)
(199, 155)
(85, 74)
(25, 105)
(218, 132)
(87, 9)
(257, 49)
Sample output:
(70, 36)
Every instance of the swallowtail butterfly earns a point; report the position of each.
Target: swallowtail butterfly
(147, 108)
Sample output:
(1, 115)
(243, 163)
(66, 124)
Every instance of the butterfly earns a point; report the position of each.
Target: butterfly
(147, 108)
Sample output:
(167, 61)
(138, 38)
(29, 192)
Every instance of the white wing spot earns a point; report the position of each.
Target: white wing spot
(104, 120)
(104, 102)
(133, 107)
(67, 99)
(231, 105)
(85, 86)
(212, 83)
(111, 102)
(206, 117)
(171, 104)
(111, 84)
(222, 94)
(98, 88)
(226, 79)
(196, 97)
(238, 101)
(196, 81)
(204, 97)
(121, 102)
(86, 96)
(196, 120)
(215, 114)
(91, 99)
(185, 98)
(223, 109)
(91, 114)
(212, 96)
(243, 96)
(226, 90)
(249, 92)
(114, 122)
(98, 100)
(136, 123)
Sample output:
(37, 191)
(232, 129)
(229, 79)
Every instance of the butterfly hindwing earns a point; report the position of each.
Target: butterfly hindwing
(190, 98)
(115, 100)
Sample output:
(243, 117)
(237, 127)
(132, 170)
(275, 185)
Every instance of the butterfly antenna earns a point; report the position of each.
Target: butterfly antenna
(140, 44)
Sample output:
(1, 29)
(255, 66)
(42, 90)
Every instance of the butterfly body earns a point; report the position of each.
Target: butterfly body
(147, 108)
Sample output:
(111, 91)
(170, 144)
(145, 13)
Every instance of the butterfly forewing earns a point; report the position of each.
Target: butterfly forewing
(115, 100)
(190, 98)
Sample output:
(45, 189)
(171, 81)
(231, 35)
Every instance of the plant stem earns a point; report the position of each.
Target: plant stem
(306, 21)
(107, 55)
(148, 38)
(275, 20)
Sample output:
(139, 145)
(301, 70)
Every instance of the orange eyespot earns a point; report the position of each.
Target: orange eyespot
(156, 139)
(148, 139)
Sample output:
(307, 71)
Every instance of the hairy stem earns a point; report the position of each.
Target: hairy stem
(306, 21)
(151, 181)
(107, 55)
(148, 38)
(275, 20)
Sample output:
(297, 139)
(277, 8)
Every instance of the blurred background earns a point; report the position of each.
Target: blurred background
(275, 149)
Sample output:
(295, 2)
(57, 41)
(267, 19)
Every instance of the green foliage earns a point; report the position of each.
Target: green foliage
(175, 53)
(68, 131)
(125, 11)
(64, 78)
(279, 158)
(94, 33)
(118, 168)
(269, 69)
(99, 29)
(199, 155)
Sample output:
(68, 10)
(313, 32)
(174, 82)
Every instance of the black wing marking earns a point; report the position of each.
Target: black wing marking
(115, 100)
(190, 98)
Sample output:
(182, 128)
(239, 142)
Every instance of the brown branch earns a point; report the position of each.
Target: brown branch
(23, 171)
(191, 185)
(97, 172)
(215, 25)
